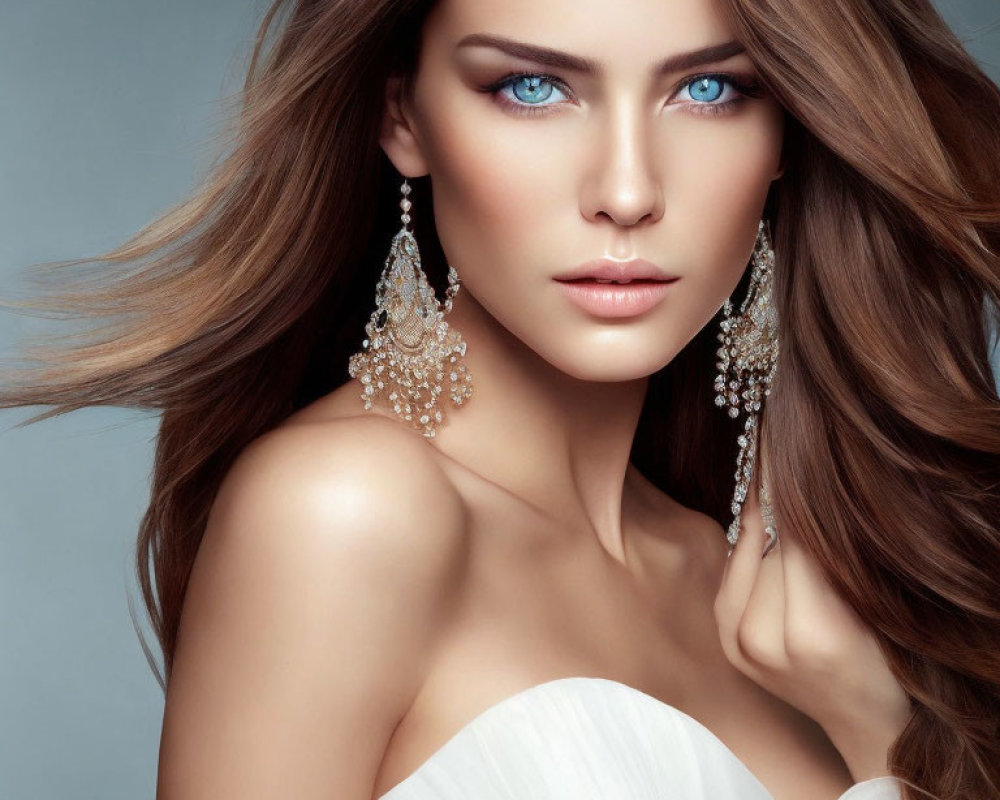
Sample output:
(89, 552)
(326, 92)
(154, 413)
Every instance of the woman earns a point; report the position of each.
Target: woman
(476, 548)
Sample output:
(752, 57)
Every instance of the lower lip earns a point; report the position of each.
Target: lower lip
(616, 299)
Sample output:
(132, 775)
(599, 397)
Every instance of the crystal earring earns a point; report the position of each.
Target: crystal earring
(748, 357)
(411, 355)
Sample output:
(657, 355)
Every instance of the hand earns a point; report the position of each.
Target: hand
(782, 624)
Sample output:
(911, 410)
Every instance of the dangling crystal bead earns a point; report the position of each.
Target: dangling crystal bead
(407, 330)
(749, 359)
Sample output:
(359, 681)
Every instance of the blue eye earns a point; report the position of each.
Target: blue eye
(527, 90)
(526, 93)
(706, 89)
(530, 84)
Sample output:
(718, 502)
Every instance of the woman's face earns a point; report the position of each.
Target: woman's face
(594, 152)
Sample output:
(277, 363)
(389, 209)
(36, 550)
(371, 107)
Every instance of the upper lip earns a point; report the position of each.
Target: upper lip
(608, 269)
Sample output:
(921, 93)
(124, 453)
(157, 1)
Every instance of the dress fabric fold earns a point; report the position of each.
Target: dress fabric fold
(587, 738)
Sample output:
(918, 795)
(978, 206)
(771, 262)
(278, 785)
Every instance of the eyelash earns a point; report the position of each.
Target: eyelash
(747, 87)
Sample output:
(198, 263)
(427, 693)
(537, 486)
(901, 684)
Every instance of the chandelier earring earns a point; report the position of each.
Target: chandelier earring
(748, 357)
(410, 355)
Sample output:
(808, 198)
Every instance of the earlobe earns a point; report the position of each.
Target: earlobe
(781, 167)
(397, 137)
(782, 162)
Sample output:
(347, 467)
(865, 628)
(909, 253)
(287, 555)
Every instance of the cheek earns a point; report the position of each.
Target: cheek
(481, 187)
(717, 177)
(500, 187)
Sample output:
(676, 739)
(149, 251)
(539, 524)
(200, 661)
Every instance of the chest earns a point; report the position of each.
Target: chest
(536, 610)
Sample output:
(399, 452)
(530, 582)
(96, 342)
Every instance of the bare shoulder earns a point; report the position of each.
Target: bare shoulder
(352, 461)
(333, 554)
(362, 486)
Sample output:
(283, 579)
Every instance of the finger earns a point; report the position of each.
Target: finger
(807, 596)
(738, 580)
(761, 636)
(764, 487)
(741, 567)
(761, 632)
(812, 597)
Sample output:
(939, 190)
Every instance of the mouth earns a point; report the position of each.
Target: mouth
(609, 271)
(609, 289)
(608, 298)
(621, 282)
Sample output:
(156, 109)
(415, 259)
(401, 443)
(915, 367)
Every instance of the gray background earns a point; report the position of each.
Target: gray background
(108, 109)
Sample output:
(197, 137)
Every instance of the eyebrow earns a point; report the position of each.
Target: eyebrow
(569, 62)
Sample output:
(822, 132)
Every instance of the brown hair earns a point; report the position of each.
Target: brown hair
(243, 304)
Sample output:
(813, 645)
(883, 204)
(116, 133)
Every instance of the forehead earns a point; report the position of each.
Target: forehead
(614, 35)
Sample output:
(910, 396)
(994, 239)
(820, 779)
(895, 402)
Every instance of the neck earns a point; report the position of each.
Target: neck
(554, 441)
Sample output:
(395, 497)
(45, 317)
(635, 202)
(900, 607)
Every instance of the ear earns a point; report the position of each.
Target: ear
(781, 166)
(783, 158)
(398, 136)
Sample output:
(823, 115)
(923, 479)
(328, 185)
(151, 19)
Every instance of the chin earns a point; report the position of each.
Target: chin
(613, 366)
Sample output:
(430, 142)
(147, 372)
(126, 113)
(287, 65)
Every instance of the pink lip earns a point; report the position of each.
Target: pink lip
(616, 300)
(649, 287)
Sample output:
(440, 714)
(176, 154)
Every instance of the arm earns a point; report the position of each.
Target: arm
(782, 624)
(331, 555)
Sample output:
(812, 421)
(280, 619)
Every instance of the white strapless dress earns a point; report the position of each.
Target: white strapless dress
(586, 738)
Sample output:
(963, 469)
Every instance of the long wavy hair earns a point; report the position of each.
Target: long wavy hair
(243, 303)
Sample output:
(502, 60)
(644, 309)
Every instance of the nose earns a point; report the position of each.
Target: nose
(623, 183)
